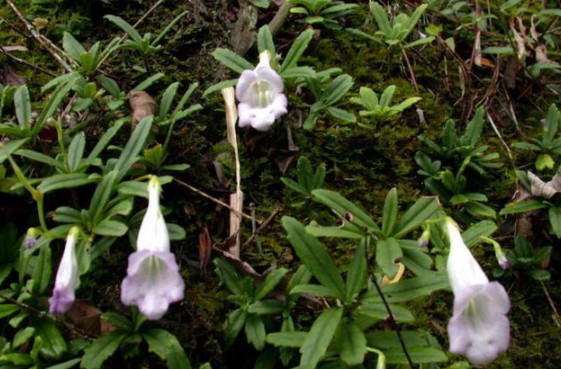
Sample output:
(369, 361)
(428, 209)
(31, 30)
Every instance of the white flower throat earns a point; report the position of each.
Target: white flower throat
(263, 95)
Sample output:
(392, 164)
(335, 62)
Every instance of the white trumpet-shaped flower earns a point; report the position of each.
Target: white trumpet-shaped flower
(66, 276)
(153, 280)
(479, 328)
(259, 92)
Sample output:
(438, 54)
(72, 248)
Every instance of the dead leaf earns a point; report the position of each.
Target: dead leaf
(9, 76)
(85, 317)
(142, 105)
(545, 190)
(205, 248)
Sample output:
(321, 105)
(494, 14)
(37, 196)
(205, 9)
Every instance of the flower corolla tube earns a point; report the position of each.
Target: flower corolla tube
(479, 328)
(153, 281)
(259, 92)
(66, 276)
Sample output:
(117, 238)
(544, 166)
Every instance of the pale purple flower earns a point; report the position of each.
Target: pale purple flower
(30, 239)
(153, 280)
(479, 328)
(259, 92)
(66, 276)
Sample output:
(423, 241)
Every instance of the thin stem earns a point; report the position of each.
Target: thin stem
(411, 72)
(15, 58)
(394, 324)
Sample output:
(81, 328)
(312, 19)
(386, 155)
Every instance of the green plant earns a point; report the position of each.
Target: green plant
(308, 180)
(550, 143)
(396, 31)
(143, 44)
(380, 109)
(522, 258)
(322, 11)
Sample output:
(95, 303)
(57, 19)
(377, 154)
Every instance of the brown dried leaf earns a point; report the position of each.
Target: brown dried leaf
(142, 105)
(85, 317)
(205, 248)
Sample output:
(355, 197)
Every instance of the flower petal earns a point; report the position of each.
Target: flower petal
(152, 283)
(463, 269)
(243, 88)
(268, 74)
(153, 233)
(479, 328)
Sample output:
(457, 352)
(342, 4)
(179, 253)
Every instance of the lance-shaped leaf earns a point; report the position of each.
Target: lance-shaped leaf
(318, 339)
(314, 255)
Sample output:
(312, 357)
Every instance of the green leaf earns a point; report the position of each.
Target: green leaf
(269, 283)
(378, 311)
(168, 28)
(148, 82)
(60, 181)
(350, 342)
(265, 40)
(101, 349)
(66, 365)
(410, 289)
(76, 151)
(16, 359)
(544, 161)
(110, 228)
(234, 324)
(220, 85)
(314, 256)
(118, 320)
(337, 89)
(315, 290)
(72, 47)
(167, 347)
(422, 210)
(106, 138)
(7, 148)
(266, 307)
(232, 60)
(341, 114)
(479, 210)
(136, 143)
(22, 336)
(229, 276)
(484, 228)
(255, 331)
(287, 339)
(555, 220)
(356, 275)
(318, 339)
(42, 158)
(54, 344)
(298, 47)
(167, 99)
(390, 212)
(42, 270)
(101, 196)
(125, 26)
(22, 103)
(343, 207)
(388, 254)
(522, 207)
(381, 18)
(474, 128)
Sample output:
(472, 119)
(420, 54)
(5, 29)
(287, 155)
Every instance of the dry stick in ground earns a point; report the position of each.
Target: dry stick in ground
(263, 225)
(16, 59)
(126, 36)
(221, 203)
(556, 317)
(39, 38)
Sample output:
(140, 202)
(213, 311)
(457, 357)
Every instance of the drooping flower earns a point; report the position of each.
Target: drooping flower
(66, 276)
(259, 92)
(30, 239)
(153, 280)
(479, 328)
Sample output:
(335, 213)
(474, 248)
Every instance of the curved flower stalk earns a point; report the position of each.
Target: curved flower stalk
(153, 280)
(66, 276)
(259, 92)
(479, 327)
